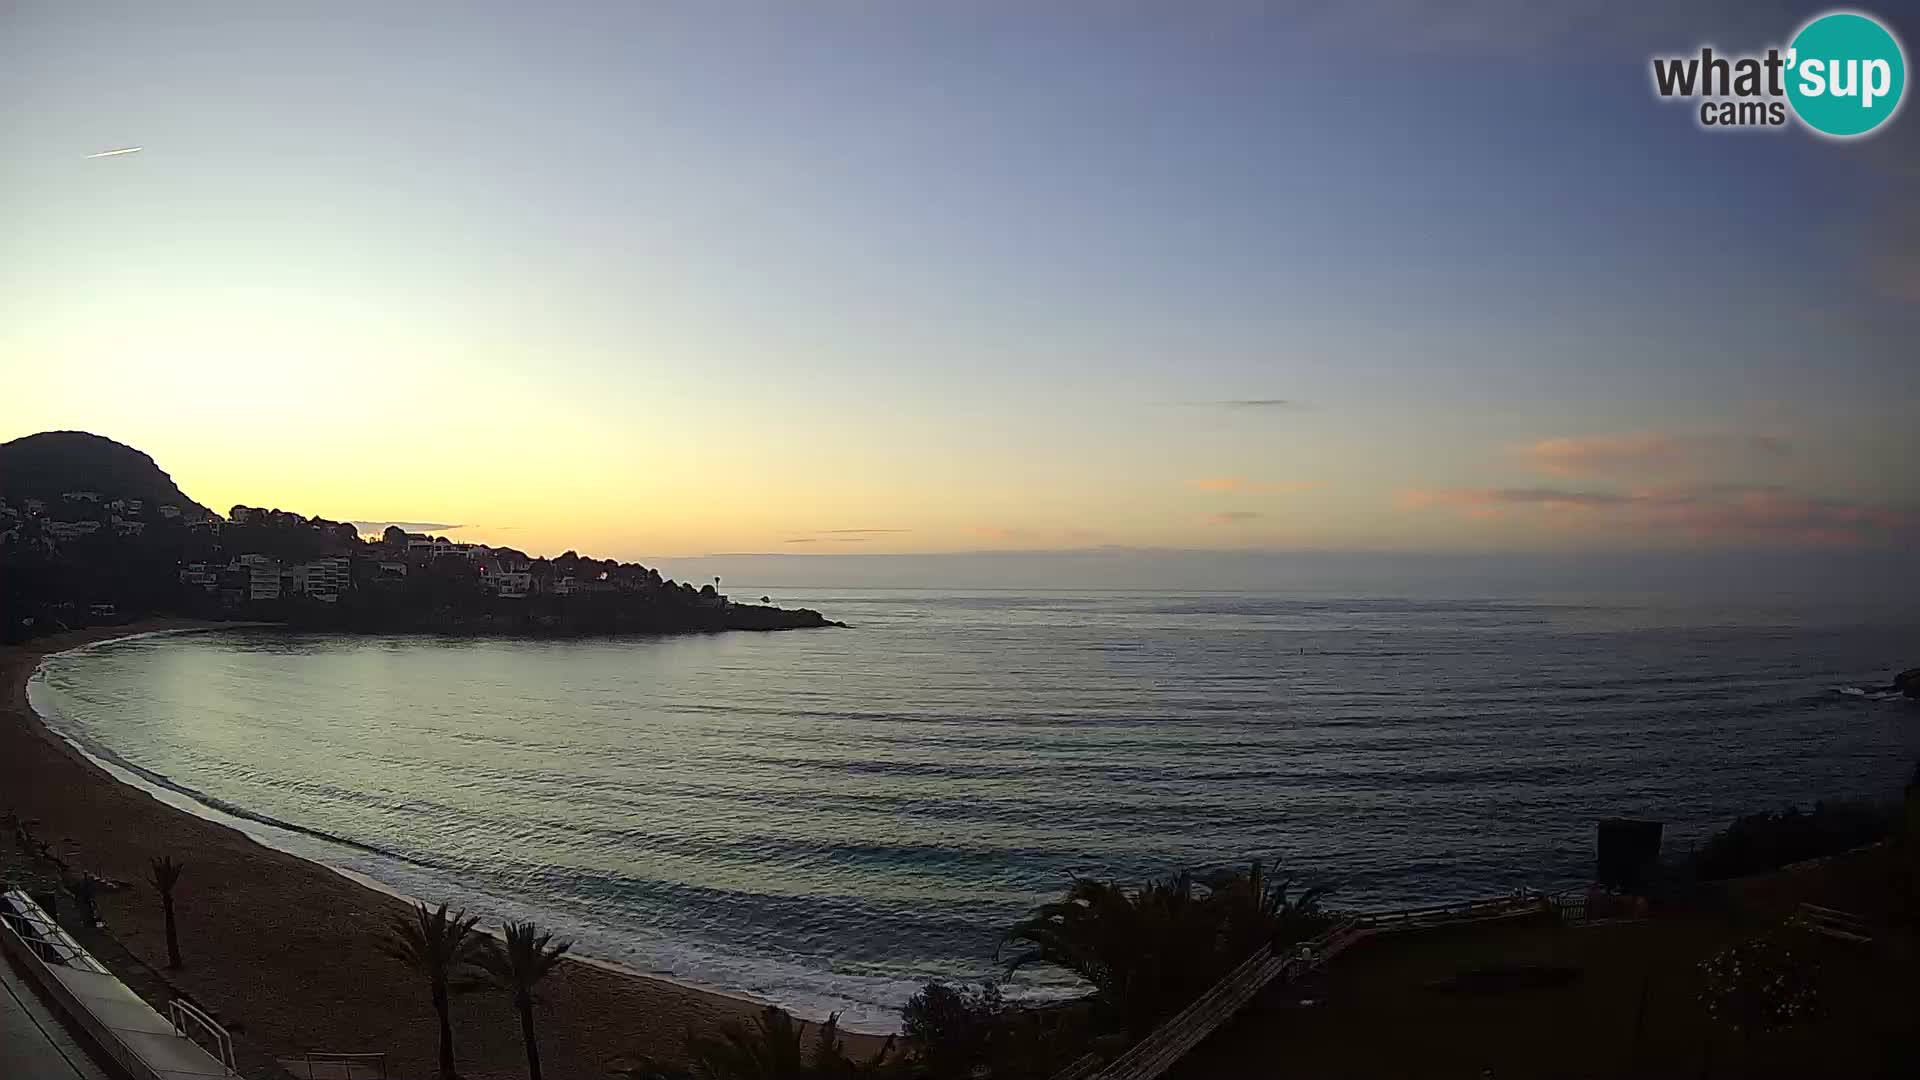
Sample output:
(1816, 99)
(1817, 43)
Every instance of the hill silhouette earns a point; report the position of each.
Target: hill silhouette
(90, 559)
(46, 465)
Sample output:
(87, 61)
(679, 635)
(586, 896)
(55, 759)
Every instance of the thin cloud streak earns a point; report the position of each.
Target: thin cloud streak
(115, 153)
(987, 532)
(1240, 485)
(1731, 513)
(1246, 403)
(408, 526)
(1649, 453)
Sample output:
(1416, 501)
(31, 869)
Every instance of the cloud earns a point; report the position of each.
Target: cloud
(1232, 517)
(842, 532)
(1248, 403)
(1648, 453)
(833, 540)
(1724, 512)
(409, 526)
(1240, 485)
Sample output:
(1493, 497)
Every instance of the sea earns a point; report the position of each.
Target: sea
(824, 819)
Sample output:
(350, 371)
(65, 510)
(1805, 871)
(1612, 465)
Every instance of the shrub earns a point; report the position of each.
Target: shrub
(1761, 985)
(1767, 841)
(953, 1028)
(975, 1033)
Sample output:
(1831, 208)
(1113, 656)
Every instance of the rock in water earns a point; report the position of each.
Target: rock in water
(1908, 683)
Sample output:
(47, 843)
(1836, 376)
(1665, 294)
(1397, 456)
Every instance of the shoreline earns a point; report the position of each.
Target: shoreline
(282, 947)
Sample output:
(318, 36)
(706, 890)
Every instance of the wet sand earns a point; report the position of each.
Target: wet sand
(284, 951)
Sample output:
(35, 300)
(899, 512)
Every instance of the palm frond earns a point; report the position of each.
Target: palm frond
(440, 945)
(165, 874)
(522, 957)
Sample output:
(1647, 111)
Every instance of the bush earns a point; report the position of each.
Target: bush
(1760, 986)
(953, 1028)
(1768, 841)
(975, 1033)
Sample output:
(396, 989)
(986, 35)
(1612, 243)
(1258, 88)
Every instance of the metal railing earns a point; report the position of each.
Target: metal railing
(315, 1065)
(187, 1018)
(1186, 1029)
(42, 935)
(1222, 1001)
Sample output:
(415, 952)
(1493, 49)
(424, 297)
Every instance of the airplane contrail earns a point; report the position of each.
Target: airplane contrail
(116, 153)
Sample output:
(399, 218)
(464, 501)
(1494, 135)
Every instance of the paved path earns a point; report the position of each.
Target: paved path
(32, 1043)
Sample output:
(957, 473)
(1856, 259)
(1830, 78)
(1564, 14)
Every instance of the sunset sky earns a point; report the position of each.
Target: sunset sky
(681, 278)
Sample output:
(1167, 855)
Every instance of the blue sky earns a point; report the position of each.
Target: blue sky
(685, 278)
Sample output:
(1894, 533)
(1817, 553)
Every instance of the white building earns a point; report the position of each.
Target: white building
(168, 510)
(505, 579)
(263, 576)
(72, 530)
(324, 579)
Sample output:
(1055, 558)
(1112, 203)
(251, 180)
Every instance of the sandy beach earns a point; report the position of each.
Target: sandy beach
(283, 950)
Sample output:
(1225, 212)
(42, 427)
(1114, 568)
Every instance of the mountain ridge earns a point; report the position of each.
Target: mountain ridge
(48, 464)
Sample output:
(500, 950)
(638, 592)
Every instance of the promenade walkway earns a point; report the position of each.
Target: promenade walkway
(33, 1043)
(142, 1043)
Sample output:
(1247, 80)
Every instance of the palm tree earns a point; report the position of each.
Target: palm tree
(517, 967)
(164, 876)
(774, 1049)
(1146, 951)
(1256, 910)
(1149, 951)
(443, 947)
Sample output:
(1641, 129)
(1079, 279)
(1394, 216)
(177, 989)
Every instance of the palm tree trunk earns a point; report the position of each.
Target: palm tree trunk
(173, 935)
(526, 1032)
(446, 1034)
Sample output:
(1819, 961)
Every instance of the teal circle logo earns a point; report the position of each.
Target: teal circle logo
(1846, 74)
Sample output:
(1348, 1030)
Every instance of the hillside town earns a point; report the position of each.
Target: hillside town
(86, 558)
(350, 562)
(78, 514)
(267, 555)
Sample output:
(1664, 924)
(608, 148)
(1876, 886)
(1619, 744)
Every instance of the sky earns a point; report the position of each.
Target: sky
(894, 277)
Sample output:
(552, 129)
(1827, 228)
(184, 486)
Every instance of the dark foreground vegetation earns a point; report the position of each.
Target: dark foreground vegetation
(1767, 841)
(1144, 953)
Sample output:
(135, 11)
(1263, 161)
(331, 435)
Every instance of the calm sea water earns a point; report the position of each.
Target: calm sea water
(825, 818)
